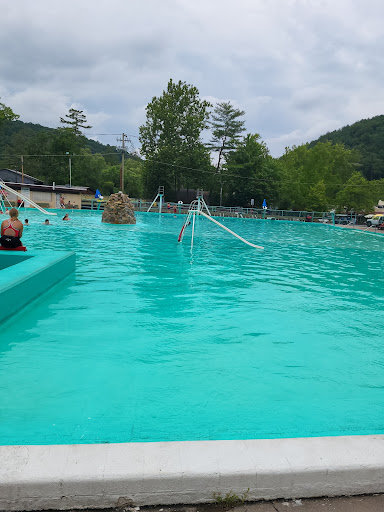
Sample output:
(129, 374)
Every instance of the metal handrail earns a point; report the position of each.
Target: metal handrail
(141, 205)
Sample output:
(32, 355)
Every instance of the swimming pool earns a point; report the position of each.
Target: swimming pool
(148, 342)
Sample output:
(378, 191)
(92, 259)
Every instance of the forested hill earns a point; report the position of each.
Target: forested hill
(16, 138)
(367, 136)
(46, 151)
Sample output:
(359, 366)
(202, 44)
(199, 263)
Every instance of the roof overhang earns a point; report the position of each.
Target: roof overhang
(50, 188)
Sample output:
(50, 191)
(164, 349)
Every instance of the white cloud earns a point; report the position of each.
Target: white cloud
(38, 105)
(297, 67)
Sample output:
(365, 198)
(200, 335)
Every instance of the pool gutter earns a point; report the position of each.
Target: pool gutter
(108, 475)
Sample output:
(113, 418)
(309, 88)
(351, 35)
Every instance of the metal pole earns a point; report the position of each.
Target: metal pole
(22, 169)
(193, 229)
(70, 172)
(160, 203)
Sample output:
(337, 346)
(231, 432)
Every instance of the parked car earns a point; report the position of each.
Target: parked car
(375, 220)
(341, 219)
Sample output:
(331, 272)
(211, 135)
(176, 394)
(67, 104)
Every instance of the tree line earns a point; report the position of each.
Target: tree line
(366, 136)
(234, 166)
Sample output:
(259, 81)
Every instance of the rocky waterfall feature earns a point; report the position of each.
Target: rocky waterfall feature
(119, 210)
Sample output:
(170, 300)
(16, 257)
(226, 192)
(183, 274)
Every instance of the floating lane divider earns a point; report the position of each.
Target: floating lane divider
(229, 231)
(24, 198)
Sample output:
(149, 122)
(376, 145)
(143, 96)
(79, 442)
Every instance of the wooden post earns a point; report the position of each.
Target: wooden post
(122, 140)
(122, 169)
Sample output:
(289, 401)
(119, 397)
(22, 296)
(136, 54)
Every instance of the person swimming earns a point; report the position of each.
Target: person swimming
(26, 222)
(46, 222)
(66, 217)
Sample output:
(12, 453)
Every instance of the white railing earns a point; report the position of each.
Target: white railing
(24, 198)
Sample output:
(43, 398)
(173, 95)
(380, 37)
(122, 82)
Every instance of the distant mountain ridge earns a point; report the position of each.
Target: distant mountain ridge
(10, 129)
(365, 136)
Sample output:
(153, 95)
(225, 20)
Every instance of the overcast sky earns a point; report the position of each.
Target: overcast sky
(299, 68)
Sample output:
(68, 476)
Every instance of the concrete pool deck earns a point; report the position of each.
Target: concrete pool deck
(361, 228)
(142, 474)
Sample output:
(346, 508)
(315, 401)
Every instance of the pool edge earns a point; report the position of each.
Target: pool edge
(188, 472)
(37, 272)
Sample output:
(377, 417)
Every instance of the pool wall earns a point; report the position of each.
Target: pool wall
(25, 276)
(108, 475)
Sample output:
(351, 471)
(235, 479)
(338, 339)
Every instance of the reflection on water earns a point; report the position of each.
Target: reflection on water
(149, 341)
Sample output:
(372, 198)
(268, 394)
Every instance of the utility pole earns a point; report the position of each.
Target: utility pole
(22, 169)
(70, 168)
(123, 149)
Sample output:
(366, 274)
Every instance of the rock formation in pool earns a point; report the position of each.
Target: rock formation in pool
(119, 210)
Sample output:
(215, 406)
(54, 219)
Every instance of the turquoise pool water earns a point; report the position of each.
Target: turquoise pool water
(149, 342)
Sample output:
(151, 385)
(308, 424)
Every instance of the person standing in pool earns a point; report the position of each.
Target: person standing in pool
(26, 222)
(11, 230)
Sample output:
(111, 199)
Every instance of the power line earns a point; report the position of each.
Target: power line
(110, 134)
(213, 173)
(61, 155)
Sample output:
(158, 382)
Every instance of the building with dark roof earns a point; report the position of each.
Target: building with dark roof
(47, 196)
(13, 176)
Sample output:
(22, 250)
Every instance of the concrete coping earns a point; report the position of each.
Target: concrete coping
(108, 475)
(24, 276)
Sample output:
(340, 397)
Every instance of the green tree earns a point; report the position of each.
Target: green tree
(53, 150)
(316, 199)
(75, 121)
(377, 190)
(250, 173)
(7, 114)
(305, 167)
(134, 177)
(45, 167)
(171, 139)
(226, 129)
(356, 194)
(365, 136)
(87, 169)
